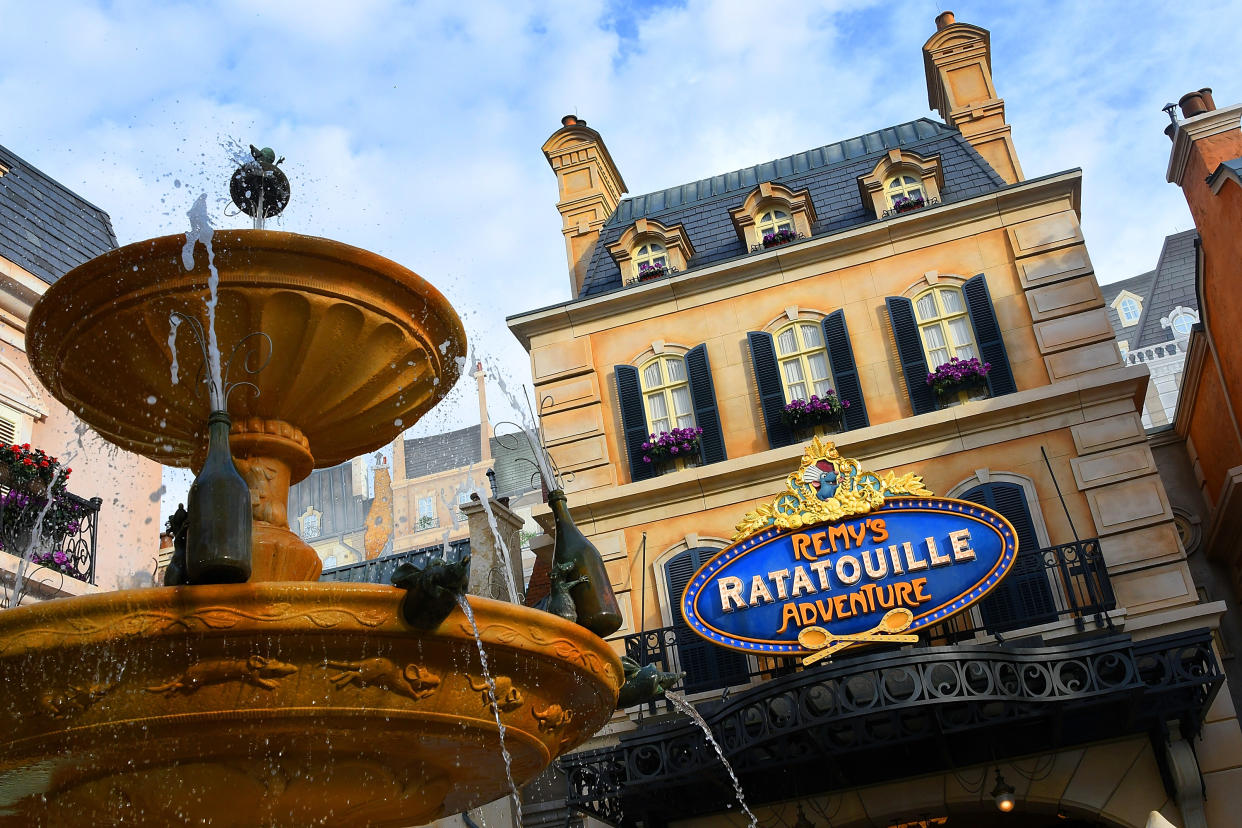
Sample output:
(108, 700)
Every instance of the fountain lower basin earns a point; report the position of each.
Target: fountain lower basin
(281, 703)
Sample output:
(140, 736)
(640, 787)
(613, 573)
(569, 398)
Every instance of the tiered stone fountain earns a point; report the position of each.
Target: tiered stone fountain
(281, 700)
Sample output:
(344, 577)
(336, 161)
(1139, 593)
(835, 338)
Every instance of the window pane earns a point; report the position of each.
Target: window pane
(779, 214)
(936, 358)
(915, 193)
(657, 248)
(925, 307)
(658, 426)
(908, 181)
(652, 377)
(964, 351)
(810, 336)
(676, 370)
(787, 342)
(657, 406)
(658, 261)
(642, 251)
(793, 371)
(959, 331)
(933, 337)
(818, 365)
(682, 405)
(685, 420)
(952, 301)
(822, 387)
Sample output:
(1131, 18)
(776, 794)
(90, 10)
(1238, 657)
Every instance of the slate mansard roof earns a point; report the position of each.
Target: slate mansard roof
(1171, 284)
(45, 227)
(512, 458)
(830, 173)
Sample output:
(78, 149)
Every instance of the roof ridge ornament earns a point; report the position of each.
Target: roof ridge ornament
(827, 487)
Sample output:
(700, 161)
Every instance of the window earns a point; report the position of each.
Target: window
(427, 513)
(707, 665)
(1182, 323)
(1125, 348)
(944, 326)
(310, 525)
(903, 186)
(1129, 310)
(773, 220)
(803, 360)
(463, 497)
(666, 394)
(649, 255)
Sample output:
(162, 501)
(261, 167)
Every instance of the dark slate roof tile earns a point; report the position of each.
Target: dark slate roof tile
(46, 228)
(425, 456)
(829, 173)
(1172, 283)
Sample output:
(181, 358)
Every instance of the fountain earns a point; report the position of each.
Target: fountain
(281, 700)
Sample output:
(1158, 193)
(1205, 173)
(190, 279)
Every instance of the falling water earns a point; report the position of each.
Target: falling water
(679, 701)
(491, 694)
(502, 548)
(36, 532)
(201, 231)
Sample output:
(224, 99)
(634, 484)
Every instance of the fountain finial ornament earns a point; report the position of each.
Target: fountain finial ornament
(259, 188)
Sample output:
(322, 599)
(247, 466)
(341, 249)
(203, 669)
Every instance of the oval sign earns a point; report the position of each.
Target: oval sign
(927, 558)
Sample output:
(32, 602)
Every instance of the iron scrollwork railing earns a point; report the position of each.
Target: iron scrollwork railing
(65, 544)
(379, 570)
(845, 724)
(895, 211)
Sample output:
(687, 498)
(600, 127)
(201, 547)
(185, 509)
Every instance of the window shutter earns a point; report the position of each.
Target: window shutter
(910, 352)
(8, 430)
(844, 371)
(1023, 598)
(633, 420)
(703, 394)
(771, 392)
(988, 336)
(707, 666)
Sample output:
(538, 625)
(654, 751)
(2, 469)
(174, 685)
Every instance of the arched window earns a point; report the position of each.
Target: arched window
(649, 255)
(944, 326)
(1129, 310)
(903, 186)
(772, 220)
(1182, 323)
(706, 665)
(804, 362)
(666, 394)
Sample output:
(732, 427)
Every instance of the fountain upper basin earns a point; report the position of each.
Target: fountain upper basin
(281, 704)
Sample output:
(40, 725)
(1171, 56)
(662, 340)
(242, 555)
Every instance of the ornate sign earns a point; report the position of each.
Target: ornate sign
(845, 556)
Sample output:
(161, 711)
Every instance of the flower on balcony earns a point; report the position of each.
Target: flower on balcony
(647, 271)
(779, 237)
(31, 469)
(826, 410)
(904, 204)
(958, 375)
(669, 445)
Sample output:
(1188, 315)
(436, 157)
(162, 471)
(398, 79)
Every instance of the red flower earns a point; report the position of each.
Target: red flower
(27, 461)
(26, 446)
(67, 472)
(44, 463)
(15, 449)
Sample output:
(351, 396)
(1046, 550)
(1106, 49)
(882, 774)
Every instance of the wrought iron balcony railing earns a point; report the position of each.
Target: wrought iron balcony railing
(1068, 582)
(379, 570)
(65, 543)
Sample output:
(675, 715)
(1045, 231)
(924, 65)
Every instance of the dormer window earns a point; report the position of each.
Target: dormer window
(772, 215)
(1129, 307)
(902, 181)
(648, 250)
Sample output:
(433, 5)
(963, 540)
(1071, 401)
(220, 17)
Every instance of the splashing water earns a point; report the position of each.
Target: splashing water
(26, 560)
(173, 324)
(501, 546)
(491, 694)
(679, 701)
(201, 231)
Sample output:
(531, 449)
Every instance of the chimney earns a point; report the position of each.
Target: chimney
(1205, 138)
(1196, 103)
(485, 425)
(590, 187)
(958, 63)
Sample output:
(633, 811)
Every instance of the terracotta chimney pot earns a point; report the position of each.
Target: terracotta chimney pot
(1194, 103)
(945, 19)
(569, 120)
(1206, 92)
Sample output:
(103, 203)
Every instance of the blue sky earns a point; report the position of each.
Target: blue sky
(413, 129)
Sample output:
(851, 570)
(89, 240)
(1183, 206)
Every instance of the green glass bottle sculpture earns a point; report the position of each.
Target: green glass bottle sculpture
(219, 533)
(577, 558)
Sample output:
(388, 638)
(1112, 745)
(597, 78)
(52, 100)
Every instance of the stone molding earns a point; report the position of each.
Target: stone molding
(1192, 130)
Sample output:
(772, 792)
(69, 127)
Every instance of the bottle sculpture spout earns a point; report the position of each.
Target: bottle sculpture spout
(219, 534)
(580, 562)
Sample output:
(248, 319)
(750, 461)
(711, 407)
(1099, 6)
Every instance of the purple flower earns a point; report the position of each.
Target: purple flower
(60, 557)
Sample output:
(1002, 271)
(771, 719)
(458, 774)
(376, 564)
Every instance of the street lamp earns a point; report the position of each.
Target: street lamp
(1003, 794)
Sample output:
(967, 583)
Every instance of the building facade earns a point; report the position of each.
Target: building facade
(851, 272)
(45, 231)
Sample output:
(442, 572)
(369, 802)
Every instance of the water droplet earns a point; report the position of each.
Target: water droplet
(151, 399)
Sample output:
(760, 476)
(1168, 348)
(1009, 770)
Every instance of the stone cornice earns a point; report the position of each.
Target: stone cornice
(873, 240)
(880, 447)
(1193, 129)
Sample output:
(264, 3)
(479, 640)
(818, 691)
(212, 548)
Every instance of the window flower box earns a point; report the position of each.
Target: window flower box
(903, 204)
(779, 237)
(959, 380)
(648, 272)
(678, 448)
(818, 415)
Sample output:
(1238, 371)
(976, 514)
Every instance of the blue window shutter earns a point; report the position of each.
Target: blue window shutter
(910, 352)
(1023, 598)
(771, 392)
(844, 371)
(707, 666)
(633, 420)
(703, 395)
(988, 336)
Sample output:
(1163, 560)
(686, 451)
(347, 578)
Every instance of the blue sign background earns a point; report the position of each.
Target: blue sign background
(952, 587)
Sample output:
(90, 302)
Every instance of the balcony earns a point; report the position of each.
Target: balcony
(58, 554)
(1059, 587)
(379, 570)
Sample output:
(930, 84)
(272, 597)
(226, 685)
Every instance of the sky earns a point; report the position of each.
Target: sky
(413, 129)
